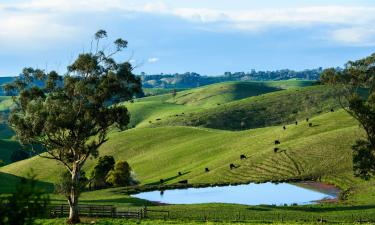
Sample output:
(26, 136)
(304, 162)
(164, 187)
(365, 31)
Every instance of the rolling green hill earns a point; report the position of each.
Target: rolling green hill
(274, 108)
(146, 111)
(305, 152)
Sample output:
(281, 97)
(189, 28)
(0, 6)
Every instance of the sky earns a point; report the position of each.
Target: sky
(209, 37)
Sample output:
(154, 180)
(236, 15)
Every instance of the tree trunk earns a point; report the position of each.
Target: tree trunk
(73, 198)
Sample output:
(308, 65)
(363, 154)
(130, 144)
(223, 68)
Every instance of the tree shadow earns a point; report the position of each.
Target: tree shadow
(8, 183)
(168, 179)
(314, 208)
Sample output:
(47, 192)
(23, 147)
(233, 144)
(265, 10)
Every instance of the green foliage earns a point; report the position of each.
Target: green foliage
(100, 171)
(71, 121)
(121, 175)
(24, 205)
(358, 81)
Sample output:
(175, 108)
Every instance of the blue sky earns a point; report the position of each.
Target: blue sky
(204, 36)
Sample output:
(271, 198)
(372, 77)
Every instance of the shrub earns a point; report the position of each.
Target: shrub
(121, 175)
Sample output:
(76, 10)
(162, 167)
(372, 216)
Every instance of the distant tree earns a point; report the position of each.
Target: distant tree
(357, 87)
(121, 175)
(70, 120)
(101, 169)
(19, 155)
(24, 205)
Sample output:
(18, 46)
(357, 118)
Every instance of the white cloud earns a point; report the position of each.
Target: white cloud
(357, 36)
(153, 60)
(46, 19)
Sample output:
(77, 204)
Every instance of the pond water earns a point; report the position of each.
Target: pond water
(247, 194)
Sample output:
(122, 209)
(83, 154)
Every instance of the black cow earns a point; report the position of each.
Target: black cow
(284, 127)
(232, 166)
(275, 150)
(179, 173)
(277, 142)
(206, 170)
(310, 124)
(183, 182)
(158, 119)
(296, 122)
(307, 119)
(161, 181)
(243, 157)
(332, 110)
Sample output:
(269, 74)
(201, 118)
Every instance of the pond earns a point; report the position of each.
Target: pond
(247, 194)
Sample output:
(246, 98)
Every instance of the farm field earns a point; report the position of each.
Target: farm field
(320, 152)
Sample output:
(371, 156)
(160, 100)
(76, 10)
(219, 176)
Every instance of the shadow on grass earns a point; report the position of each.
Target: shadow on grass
(314, 208)
(8, 183)
(128, 200)
(169, 178)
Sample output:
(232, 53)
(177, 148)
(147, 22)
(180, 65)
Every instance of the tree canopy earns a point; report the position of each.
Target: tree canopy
(68, 116)
(357, 87)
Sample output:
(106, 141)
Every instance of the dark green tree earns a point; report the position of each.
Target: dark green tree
(121, 175)
(69, 117)
(101, 169)
(357, 96)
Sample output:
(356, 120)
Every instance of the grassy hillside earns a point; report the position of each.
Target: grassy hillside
(269, 109)
(147, 111)
(306, 152)
(5, 103)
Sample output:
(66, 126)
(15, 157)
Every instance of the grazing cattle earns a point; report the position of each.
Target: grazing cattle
(277, 142)
(310, 125)
(179, 173)
(206, 170)
(183, 113)
(218, 103)
(158, 119)
(243, 157)
(296, 122)
(284, 127)
(307, 119)
(161, 181)
(176, 115)
(275, 150)
(183, 182)
(232, 166)
(332, 110)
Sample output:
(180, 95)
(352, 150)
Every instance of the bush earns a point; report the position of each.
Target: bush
(102, 168)
(121, 175)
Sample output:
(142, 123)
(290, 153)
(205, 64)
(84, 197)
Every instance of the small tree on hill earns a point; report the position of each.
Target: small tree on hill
(70, 116)
(121, 175)
(101, 169)
(357, 96)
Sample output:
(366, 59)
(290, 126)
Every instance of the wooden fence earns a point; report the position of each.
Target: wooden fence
(97, 211)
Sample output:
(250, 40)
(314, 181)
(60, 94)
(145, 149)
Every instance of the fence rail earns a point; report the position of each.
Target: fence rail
(96, 211)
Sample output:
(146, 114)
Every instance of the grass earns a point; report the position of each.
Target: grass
(260, 111)
(159, 151)
(190, 150)
(153, 111)
(174, 222)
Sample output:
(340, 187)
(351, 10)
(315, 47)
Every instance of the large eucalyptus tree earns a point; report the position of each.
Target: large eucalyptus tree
(67, 117)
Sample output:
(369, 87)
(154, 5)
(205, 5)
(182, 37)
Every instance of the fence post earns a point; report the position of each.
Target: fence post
(62, 210)
(145, 211)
